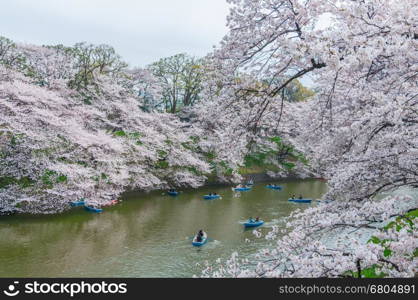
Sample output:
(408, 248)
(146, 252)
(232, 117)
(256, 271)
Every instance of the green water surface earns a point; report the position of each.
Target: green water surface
(146, 235)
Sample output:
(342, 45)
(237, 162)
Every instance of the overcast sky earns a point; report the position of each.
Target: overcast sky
(142, 31)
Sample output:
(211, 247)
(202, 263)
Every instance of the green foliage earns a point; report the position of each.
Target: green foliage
(372, 272)
(61, 179)
(402, 221)
(9, 57)
(50, 177)
(183, 75)
(47, 178)
(276, 139)
(387, 252)
(82, 163)
(91, 61)
(119, 133)
(270, 158)
(399, 223)
(210, 155)
(15, 138)
(136, 136)
(162, 154)
(257, 159)
(229, 172)
(288, 165)
(87, 99)
(130, 135)
(193, 145)
(162, 164)
(412, 214)
(374, 240)
(63, 159)
(194, 171)
(296, 92)
(101, 178)
(187, 145)
(23, 182)
(6, 181)
(195, 139)
(43, 151)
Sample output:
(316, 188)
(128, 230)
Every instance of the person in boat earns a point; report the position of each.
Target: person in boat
(293, 197)
(257, 219)
(300, 197)
(215, 194)
(251, 220)
(199, 236)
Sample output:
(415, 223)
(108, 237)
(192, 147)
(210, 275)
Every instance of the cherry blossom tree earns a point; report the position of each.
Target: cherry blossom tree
(359, 131)
(56, 149)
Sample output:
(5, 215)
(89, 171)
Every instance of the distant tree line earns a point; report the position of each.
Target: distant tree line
(167, 85)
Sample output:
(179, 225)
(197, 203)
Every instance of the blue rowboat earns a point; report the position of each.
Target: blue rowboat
(202, 242)
(93, 209)
(243, 189)
(274, 187)
(77, 203)
(211, 197)
(173, 193)
(300, 200)
(252, 223)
